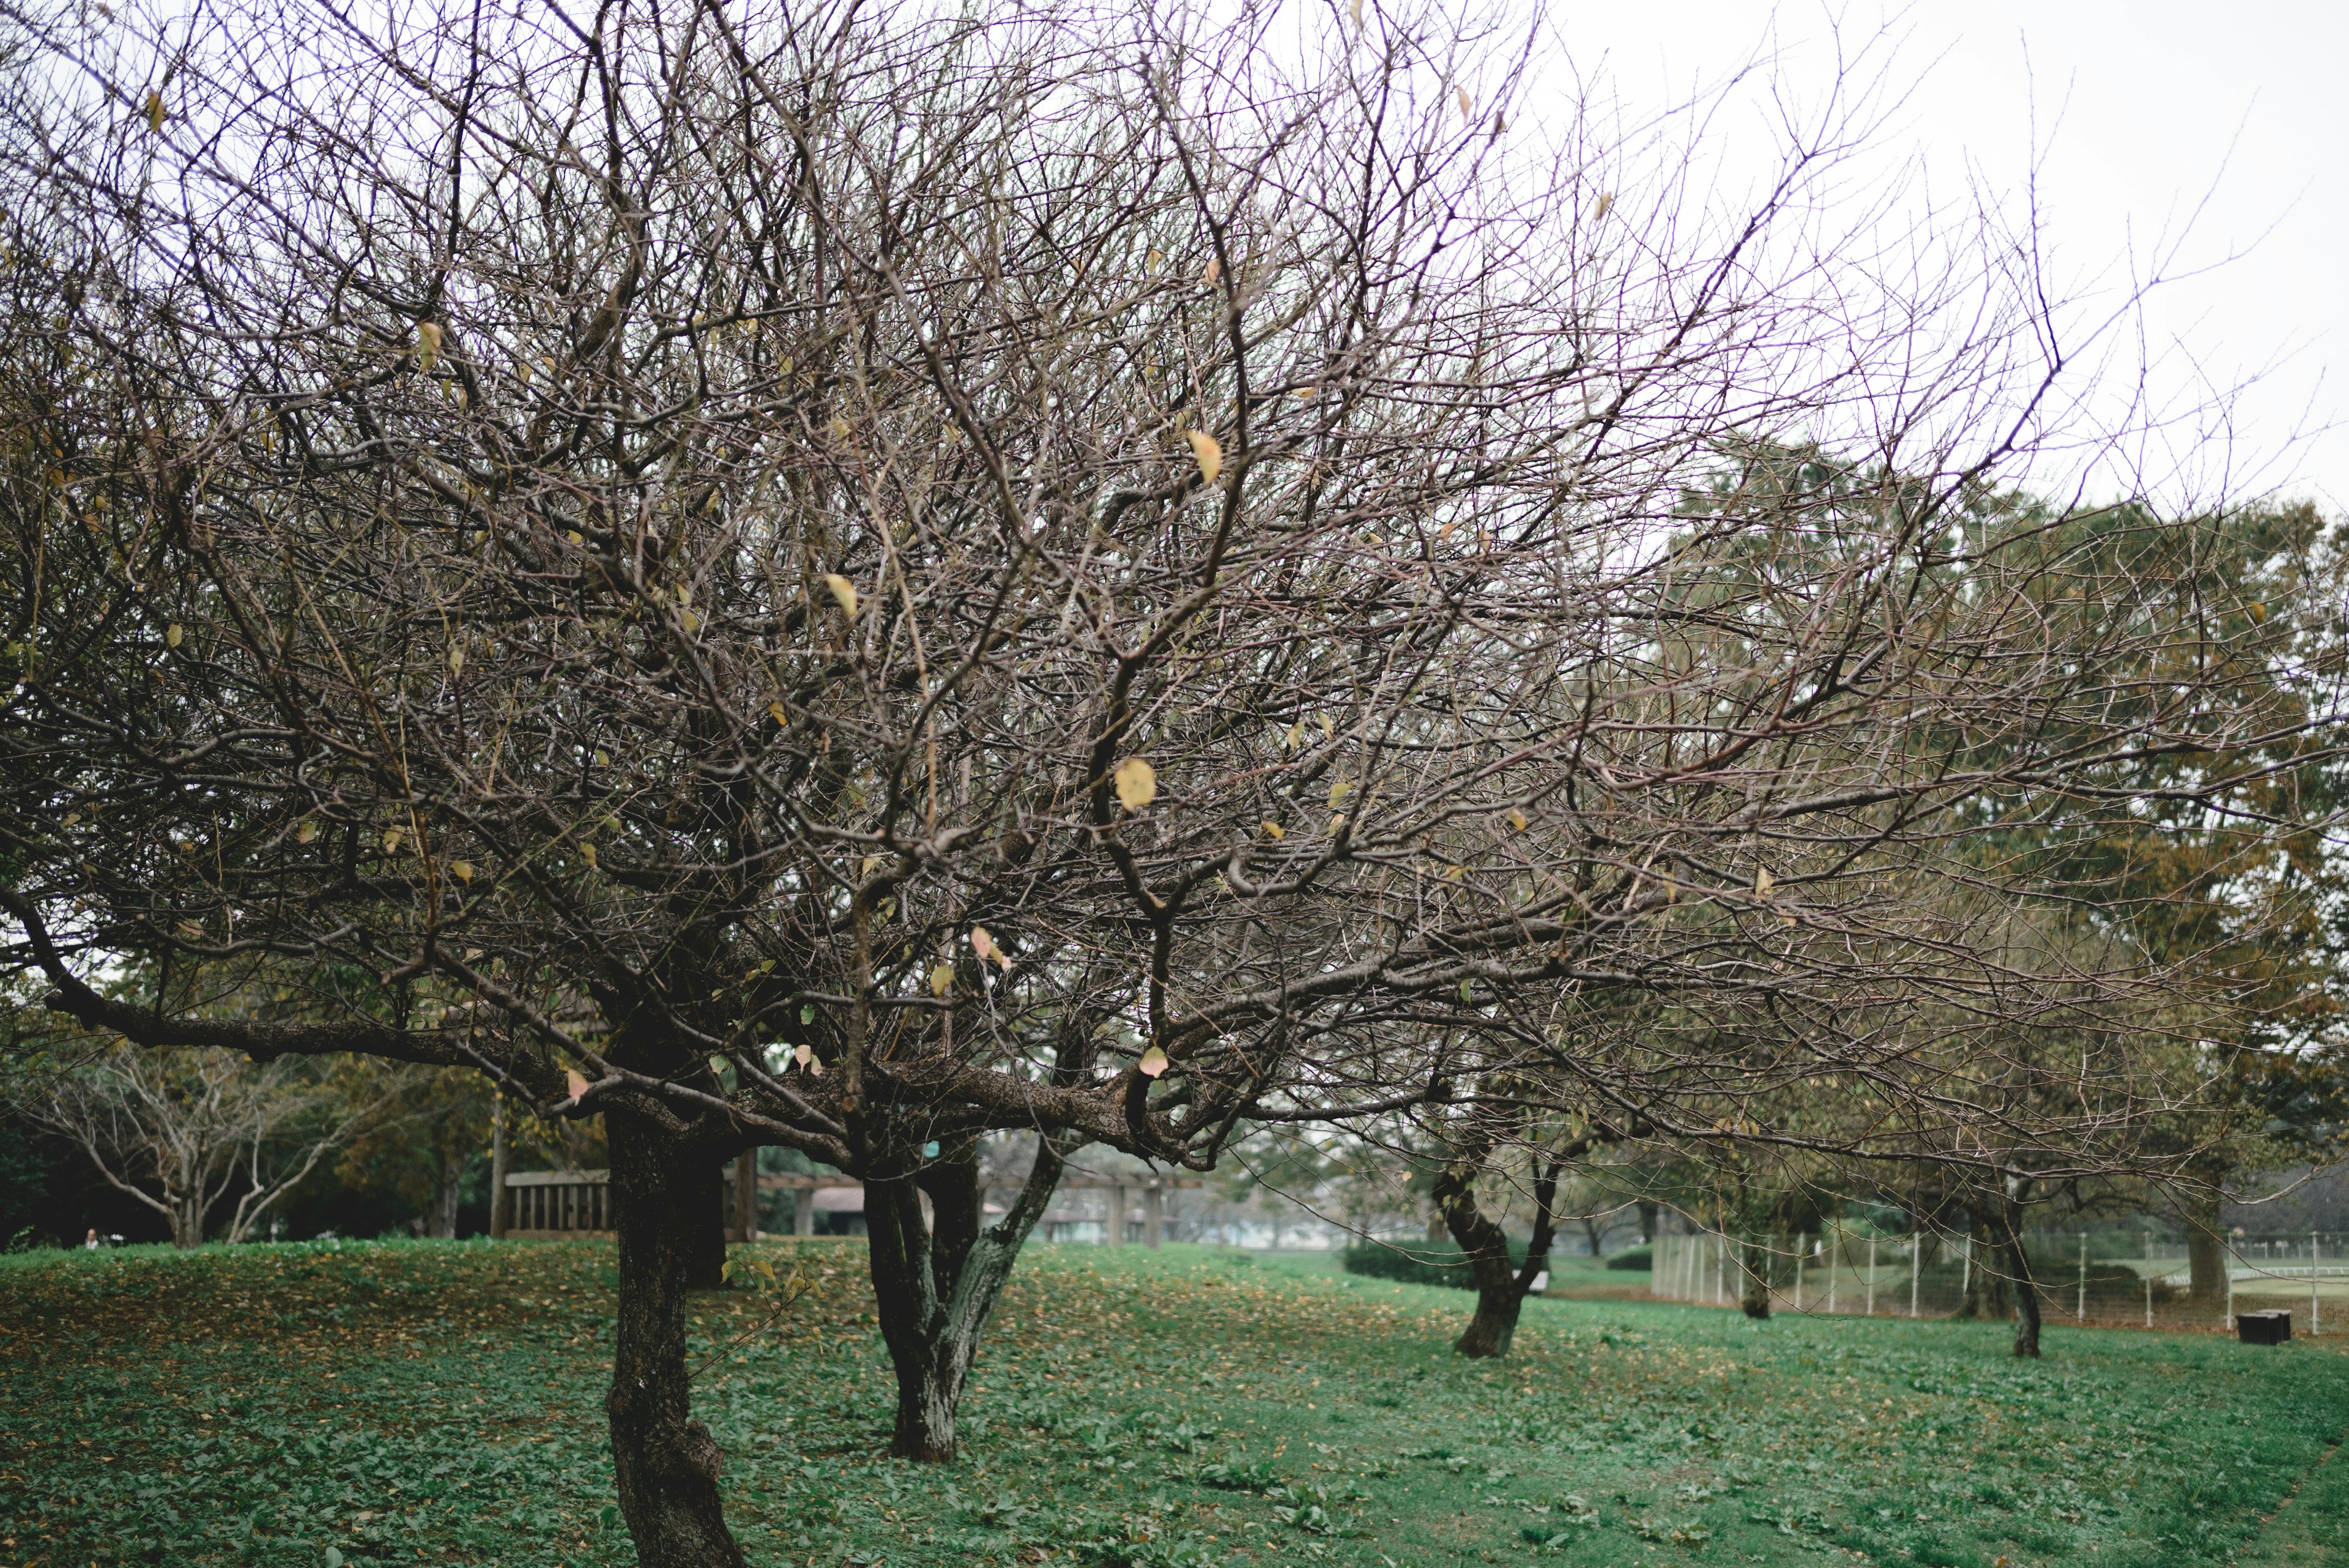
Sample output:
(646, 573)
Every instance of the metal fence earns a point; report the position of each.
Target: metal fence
(2079, 1280)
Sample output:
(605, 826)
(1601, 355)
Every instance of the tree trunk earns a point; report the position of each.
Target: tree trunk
(1500, 1291)
(453, 1186)
(2026, 1292)
(2206, 1253)
(1647, 1212)
(705, 1226)
(667, 1463)
(936, 1281)
(501, 1162)
(1755, 1296)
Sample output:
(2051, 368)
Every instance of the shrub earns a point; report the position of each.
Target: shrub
(1634, 1259)
(1419, 1263)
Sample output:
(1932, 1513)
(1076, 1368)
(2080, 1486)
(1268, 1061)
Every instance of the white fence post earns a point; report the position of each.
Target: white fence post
(1871, 1276)
(1916, 1264)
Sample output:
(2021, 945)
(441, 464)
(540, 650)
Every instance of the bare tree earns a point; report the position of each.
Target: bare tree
(184, 1131)
(855, 580)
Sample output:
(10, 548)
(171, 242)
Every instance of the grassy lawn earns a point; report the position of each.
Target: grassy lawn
(441, 1402)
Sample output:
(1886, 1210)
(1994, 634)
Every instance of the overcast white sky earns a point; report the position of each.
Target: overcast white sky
(2145, 111)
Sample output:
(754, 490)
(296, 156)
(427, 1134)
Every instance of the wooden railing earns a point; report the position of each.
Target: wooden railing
(551, 1204)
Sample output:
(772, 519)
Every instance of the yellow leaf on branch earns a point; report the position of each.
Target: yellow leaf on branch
(1209, 452)
(1137, 783)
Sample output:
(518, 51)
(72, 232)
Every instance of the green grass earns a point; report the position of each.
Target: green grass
(441, 1402)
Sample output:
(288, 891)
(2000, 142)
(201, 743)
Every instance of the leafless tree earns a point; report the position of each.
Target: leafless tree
(855, 578)
(184, 1130)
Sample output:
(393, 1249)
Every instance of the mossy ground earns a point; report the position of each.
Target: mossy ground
(442, 1403)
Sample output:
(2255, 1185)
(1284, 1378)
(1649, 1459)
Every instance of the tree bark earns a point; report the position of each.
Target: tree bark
(1755, 1258)
(665, 1462)
(1500, 1289)
(705, 1226)
(453, 1186)
(2026, 1289)
(501, 1161)
(2206, 1254)
(936, 1281)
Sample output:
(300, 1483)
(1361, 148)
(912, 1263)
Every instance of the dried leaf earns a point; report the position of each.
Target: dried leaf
(1137, 783)
(1762, 883)
(1340, 789)
(587, 853)
(1153, 1063)
(171, 635)
(1209, 452)
(1214, 270)
(1295, 735)
(803, 1054)
(155, 112)
(307, 831)
(1467, 105)
(779, 714)
(1355, 8)
(577, 1082)
(1272, 830)
(843, 592)
(602, 758)
(427, 344)
(941, 980)
(391, 840)
(839, 427)
(456, 661)
(983, 944)
(461, 869)
(1516, 819)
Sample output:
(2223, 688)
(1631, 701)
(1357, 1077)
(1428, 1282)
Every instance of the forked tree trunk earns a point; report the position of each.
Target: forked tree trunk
(1754, 1298)
(935, 1282)
(665, 1462)
(1500, 1289)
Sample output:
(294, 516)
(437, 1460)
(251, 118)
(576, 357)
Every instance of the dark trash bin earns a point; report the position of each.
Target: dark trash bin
(2263, 1327)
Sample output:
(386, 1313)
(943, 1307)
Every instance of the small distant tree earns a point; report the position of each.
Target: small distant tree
(187, 1131)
